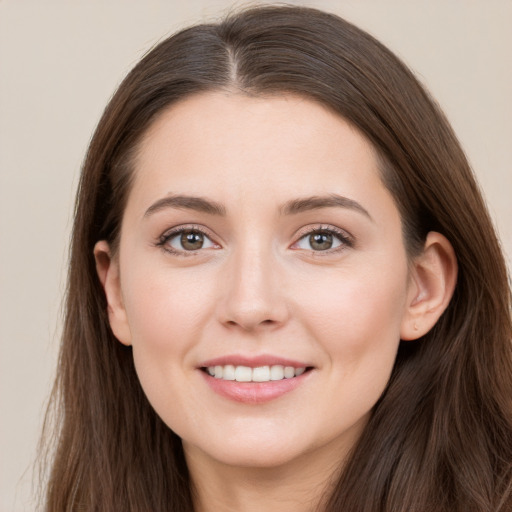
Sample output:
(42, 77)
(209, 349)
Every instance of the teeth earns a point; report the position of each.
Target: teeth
(242, 374)
(276, 372)
(228, 372)
(289, 372)
(259, 374)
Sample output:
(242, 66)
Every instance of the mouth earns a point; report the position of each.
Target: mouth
(255, 379)
(266, 373)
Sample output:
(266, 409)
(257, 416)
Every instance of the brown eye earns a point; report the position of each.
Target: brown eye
(321, 241)
(186, 240)
(192, 240)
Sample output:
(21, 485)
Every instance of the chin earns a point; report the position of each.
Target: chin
(248, 448)
(250, 456)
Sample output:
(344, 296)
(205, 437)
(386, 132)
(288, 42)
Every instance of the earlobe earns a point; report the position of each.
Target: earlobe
(107, 268)
(432, 283)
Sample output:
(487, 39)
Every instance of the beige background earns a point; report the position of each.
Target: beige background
(60, 62)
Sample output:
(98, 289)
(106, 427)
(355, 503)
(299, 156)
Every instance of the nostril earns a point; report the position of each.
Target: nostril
(248, 323)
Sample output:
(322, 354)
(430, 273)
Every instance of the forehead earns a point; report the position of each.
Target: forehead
(249, 120)
(236, 137)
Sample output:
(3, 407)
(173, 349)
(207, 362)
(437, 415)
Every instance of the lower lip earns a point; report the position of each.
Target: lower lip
(254, 392)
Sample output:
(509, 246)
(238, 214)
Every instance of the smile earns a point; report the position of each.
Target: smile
(254, 380)
(241, 373)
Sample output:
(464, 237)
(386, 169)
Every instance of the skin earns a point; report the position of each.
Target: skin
(258, 286)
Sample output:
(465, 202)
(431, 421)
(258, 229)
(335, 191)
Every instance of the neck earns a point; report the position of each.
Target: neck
(300, 485)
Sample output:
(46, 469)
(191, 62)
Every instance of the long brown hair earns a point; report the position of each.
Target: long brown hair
(440, 437)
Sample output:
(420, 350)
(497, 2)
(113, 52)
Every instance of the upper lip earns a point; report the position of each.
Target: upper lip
(253, 361)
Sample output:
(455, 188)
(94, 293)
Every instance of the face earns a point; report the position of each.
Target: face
(261, 278)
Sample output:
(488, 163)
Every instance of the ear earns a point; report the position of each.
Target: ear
(431, 285)
(107, 268)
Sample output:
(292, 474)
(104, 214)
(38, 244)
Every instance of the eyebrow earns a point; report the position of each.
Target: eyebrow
(316, 202)
(184, 202)
(292, 207)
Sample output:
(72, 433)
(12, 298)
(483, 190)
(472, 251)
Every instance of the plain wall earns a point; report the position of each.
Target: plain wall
(61, 60)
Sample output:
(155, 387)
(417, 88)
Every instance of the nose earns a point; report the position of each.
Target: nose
(253, 292)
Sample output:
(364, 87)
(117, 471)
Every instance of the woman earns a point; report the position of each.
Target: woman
(284, 291)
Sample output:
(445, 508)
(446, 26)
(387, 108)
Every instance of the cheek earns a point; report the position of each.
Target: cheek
(163, 304)
(356, 315)
(166, 312)
(355, 320)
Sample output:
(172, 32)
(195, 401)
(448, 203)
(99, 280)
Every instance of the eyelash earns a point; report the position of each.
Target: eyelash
(344, 239)
(163, 241)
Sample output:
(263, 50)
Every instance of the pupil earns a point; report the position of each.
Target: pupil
(320, 241)
(192, 240)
